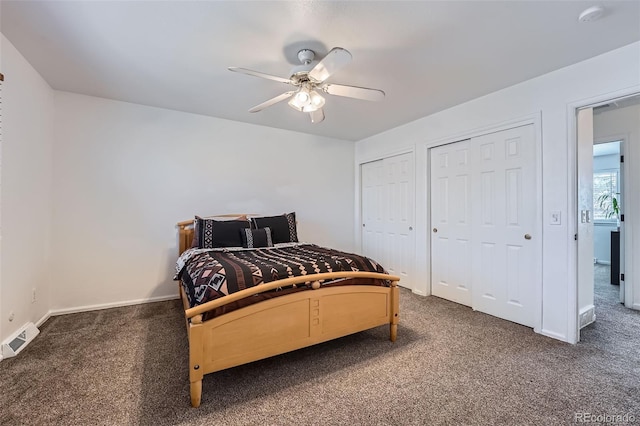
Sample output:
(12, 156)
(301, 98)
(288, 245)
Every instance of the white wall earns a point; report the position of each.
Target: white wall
(27, 137)
(125, 174)
(548, 96)
(625, 123)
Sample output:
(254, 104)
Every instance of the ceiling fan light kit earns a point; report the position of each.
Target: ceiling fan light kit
(309, 78)
(306, 100)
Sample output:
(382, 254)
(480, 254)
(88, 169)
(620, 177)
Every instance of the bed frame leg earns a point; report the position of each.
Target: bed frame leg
(196, 359)
(196, 393)
(395, 309)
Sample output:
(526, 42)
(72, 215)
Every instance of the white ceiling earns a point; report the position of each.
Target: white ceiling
(426, 56)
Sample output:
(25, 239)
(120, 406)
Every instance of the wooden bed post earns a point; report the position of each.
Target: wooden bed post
(395, 311)
(183, 235)
(196, 359)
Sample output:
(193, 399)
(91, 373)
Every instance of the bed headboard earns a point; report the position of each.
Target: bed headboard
(185, 235)
(185, 229)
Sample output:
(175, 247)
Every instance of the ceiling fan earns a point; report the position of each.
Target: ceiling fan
(309, 78)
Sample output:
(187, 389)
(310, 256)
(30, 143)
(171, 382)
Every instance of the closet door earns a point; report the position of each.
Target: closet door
(373, 205)
(483, 223)
(451, 222)
(387, 196)
(504, 202)
(399, 236)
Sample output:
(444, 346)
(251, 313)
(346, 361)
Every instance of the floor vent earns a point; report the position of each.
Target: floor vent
(14, 344)
(587, 316)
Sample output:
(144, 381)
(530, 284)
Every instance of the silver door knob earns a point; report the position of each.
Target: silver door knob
(527, 236)
(435, 229)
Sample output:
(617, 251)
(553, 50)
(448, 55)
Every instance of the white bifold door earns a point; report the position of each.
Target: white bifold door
(387, 195)
(483, 222)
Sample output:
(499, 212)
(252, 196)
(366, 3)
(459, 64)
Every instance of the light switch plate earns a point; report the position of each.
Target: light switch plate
(556, 218)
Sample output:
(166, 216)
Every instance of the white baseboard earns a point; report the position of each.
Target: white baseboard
(554, 335)
(43, 319)
(87, 308)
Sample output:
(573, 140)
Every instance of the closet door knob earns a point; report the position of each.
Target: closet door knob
(435, 229)
(527, 236)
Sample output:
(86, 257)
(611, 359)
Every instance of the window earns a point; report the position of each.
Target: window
(605, 195)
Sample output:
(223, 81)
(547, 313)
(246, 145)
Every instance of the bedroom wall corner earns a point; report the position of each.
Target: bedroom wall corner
(25, 196)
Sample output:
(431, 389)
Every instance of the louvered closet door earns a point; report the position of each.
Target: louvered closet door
(451, 222)
(483, 213)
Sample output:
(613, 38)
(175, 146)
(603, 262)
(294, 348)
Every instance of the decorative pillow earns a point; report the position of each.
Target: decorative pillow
(213, 233)
(254, 238)
(195, 243)
(283, 227)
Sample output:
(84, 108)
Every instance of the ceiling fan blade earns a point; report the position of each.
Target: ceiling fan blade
(260, 74)
(272, 101)
(317, 116)
(353, 92)
(335, 59)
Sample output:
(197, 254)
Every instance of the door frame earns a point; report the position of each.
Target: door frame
(425, 183)
(624, 175)
(573, 310)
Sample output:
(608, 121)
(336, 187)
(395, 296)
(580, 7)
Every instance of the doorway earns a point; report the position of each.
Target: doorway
(607, 205)
(608, 142)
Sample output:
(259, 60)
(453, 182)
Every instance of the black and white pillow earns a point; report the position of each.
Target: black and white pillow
(196, 234)
(213, 233)
(255, 238)
(283, 227)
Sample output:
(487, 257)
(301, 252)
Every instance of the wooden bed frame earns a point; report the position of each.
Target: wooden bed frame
(282, 324)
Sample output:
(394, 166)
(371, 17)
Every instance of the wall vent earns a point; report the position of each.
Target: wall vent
(16, 343)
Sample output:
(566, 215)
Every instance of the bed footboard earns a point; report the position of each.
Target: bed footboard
(286, 323)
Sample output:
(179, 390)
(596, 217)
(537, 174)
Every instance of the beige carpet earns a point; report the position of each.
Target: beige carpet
(450, 365)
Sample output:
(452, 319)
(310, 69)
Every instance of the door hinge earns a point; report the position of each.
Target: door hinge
(622, 158)
(621, 277)
(622, 218)
(575, 237)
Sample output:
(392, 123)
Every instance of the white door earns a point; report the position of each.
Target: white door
(585, 222)
(451, 222)
(621, 205)
(504, 200)
(387, 194)
(483, 218)
(373, 206)
(399, 237)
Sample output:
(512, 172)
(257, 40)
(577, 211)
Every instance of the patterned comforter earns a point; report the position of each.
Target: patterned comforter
(208, 274)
